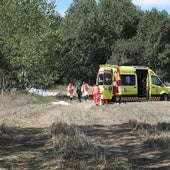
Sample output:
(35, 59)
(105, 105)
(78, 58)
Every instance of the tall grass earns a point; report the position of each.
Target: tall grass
(156, 136)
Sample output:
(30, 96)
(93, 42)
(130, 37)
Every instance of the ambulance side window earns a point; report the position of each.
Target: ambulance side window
(107, 79)
(128, 80)
(156, 81)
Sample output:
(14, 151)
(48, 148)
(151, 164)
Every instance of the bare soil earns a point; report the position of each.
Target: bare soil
(132, 135)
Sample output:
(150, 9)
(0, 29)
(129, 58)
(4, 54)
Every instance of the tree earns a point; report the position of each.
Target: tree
(26, 34)
(127, 52)
(118, 22)
(83, 49)
(154, 31)
(119, 18)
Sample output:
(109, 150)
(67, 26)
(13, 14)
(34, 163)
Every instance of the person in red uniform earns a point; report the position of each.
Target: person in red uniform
(96, 94)
(85, 90)
(70, 91)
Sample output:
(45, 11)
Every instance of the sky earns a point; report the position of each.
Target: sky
(63, 5)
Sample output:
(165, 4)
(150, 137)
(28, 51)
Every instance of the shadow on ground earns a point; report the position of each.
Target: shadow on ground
(125, 146)
(27, 148)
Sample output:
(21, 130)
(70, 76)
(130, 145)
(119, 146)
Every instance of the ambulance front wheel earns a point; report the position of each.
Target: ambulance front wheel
(164, 97)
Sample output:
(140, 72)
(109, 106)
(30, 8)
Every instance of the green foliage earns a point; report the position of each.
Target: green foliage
(82, 51)
(119, 18)
(28, 29)
(6, 80)
(42, 100)
(119, 21)
(154, 31)
(54, 49)
(127, 52)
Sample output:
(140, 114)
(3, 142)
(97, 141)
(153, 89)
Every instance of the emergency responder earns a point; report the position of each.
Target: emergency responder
(85, 90)
(70, 91)
(78, 90)
(96, 94)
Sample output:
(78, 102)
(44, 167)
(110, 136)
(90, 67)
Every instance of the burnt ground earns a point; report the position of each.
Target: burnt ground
(127, 136)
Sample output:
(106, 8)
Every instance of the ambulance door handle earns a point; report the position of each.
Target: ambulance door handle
(153, 87)
(135, 87)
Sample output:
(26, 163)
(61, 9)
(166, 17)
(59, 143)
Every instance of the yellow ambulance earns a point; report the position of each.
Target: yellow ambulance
(130, 83)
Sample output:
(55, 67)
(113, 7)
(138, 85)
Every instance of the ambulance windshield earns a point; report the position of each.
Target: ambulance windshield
(105, 79)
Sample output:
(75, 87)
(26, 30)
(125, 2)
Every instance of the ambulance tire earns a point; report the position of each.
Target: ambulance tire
(164, 97)
(113, 99)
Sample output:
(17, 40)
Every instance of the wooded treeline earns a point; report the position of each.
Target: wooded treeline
(38, 47)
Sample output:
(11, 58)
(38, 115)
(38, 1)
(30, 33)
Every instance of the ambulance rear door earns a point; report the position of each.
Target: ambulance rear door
(105, 83)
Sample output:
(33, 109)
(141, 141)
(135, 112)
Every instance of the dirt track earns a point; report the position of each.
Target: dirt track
(25, 141)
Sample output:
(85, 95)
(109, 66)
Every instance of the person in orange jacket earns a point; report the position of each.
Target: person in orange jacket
(70, 91)
(96, 94)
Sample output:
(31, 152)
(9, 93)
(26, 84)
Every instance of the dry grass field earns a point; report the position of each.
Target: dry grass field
(36, 134)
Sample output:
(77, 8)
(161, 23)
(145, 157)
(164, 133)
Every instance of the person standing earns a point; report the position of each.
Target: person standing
(144, 86)
(85, 90)
(78, 90)
(70, 91)
(96, 94)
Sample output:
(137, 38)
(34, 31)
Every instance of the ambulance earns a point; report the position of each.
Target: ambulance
(130, 83)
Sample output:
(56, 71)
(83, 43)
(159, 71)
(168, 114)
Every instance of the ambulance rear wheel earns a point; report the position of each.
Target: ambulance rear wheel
(164, 97)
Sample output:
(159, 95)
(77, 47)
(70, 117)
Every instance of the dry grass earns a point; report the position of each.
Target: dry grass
(103, 147)
(82, 135)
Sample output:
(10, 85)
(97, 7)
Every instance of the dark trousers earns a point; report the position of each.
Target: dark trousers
(79, 94)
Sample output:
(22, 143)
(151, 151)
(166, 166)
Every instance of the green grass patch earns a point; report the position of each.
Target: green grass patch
(43, 100)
